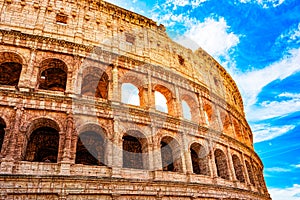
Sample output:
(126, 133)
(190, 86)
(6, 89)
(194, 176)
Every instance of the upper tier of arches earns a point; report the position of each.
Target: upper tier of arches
(100, 81)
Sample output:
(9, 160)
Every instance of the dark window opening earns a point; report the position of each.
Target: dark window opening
(93, 85)
(167, 157)
(250, 172)
(10, 73)
(43, 145)
(132, 153)
(90, 149)
(2, 132)
(199, 159)
(238, 169)
(221, 164)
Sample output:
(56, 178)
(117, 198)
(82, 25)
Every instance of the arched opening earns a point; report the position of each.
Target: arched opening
(43, 145)
(221, 164)
(199, 159)
(160, 102)
(250, 172)
(170, 155)
(10, 73)
(186, 110)
(130, 94)
(164, 100)
(90, 149)
(53, 75)
(132, 153)
(226, 123)
(238, 130)
(238, 168)
(190, 108)
(2, 132)
(208, 113)
(95, 83)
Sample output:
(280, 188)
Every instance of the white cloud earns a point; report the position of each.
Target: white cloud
(277, 169)
(271, 109)
(211, 35)
(265, 3)
(251, 83)
(295, 34)
(296, 166)
(290, 36)
(182, 3)
(292, 193)
(263, 132)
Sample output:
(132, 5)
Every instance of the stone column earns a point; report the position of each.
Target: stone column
(245, 170)
(114, 95)
(61, 145)
(66, 156)
(157, 162)
(117, 151)
(202, 120)
(25, 82)
(39, 25)
(187, 154)
(213, 167)
(15, 145)
(230, 166)
(150, 92)
(177, 103)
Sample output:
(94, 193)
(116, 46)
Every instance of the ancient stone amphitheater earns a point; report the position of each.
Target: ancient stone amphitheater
(97, 102)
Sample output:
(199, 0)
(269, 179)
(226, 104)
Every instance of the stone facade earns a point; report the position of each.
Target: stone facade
(79, 114)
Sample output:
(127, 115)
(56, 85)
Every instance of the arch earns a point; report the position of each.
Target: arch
(238, 130)
(135, 150)
(190, 108)
(226, 123)
(238, 168)
(90, 148)
(164, 100)
(170, 155)
(221, 164)
(95, 83)
(10, 73)
(199, 158)
(2, 132)
(40, 122)
(250, 172)
(43, 142)
(130, 94)
(208, 113)
(186, 110)
(136, 86)
(11, 65)
(53, 75)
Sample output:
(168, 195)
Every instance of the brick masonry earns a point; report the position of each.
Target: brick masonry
(66, 133)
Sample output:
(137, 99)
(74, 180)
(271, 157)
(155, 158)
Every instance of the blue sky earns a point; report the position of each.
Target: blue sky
(258, 42)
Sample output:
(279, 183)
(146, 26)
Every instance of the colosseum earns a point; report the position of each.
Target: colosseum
(97, 102)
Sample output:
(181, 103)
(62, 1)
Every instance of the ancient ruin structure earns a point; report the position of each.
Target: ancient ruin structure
(97, 102)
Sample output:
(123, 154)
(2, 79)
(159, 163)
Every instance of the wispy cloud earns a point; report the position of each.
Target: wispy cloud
(270, 109)
(251, 83)
(265, 3)
(181, 3)
(291, 193)
(277, 169)
(263, 132)
(296, 166)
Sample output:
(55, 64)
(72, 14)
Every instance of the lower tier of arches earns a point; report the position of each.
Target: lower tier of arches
(116, 186)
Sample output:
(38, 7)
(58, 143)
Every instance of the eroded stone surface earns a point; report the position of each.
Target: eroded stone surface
(65, 132)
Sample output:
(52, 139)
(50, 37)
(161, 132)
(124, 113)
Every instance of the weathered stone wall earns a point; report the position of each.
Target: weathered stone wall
(66, 128)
